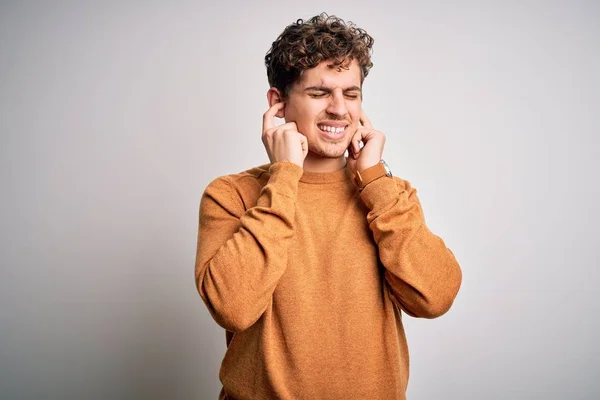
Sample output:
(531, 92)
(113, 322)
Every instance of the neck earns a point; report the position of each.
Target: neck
(314, 163)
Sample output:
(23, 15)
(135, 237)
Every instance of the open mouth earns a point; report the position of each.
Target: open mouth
(333, 131)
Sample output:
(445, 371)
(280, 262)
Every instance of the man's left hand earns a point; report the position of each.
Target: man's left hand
(373, 141)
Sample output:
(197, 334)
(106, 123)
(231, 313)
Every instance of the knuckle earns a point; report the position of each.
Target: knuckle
(269, 134)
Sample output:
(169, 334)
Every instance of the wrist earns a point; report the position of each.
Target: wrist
(365, 176)
(365, 166)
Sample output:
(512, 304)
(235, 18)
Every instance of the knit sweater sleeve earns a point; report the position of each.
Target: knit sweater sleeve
(241, 254)
(422, 273)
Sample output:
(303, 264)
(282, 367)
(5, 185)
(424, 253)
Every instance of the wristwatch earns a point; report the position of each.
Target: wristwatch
(367, 176)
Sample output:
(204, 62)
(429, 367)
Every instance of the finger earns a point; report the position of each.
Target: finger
(351, 154)
(268, 117)
(355, 143)
(288, 126)
(364, 120)
(304, 143)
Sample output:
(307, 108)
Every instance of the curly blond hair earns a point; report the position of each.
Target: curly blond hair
(304, 44)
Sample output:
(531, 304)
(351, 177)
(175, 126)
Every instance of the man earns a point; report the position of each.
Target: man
(307, 262)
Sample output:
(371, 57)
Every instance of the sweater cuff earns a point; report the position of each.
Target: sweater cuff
(284, 178)
(383, 191)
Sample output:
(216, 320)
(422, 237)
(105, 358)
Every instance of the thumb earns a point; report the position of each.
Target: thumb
(304, 143)
(351, 161)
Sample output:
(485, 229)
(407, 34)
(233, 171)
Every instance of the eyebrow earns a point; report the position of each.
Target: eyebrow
(326, 89)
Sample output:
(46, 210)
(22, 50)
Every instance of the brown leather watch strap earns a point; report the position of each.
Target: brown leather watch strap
(367, 176)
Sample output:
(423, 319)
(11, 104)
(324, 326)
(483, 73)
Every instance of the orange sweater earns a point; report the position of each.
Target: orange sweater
(308, 276)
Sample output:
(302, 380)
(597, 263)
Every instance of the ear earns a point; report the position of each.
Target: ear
(273, 97)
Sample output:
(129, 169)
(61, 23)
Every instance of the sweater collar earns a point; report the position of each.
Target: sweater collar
(327, 177)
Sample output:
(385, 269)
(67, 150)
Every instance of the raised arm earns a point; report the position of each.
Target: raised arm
(422, 273)
(241, 253)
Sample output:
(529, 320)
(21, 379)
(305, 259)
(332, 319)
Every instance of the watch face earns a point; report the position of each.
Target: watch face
(388, 171)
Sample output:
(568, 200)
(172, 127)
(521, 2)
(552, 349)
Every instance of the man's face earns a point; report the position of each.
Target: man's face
(326, 105)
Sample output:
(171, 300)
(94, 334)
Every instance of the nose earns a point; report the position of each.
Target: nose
(337, 104)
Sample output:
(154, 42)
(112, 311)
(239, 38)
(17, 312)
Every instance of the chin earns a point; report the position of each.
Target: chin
(331, 150)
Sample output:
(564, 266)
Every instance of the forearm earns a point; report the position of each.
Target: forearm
(241, 258)
(423, 274)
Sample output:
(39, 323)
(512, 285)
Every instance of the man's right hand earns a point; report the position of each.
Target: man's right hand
(283, 142)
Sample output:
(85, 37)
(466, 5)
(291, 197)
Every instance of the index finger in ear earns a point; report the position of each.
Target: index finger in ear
(364, 120)
(268, 117)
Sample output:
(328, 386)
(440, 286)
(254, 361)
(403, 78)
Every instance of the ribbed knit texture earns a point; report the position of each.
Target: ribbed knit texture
(308, 276)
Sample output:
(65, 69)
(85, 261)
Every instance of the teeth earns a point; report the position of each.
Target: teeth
(332, 129)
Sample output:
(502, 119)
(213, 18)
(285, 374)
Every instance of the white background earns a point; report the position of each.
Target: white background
(114, 116)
